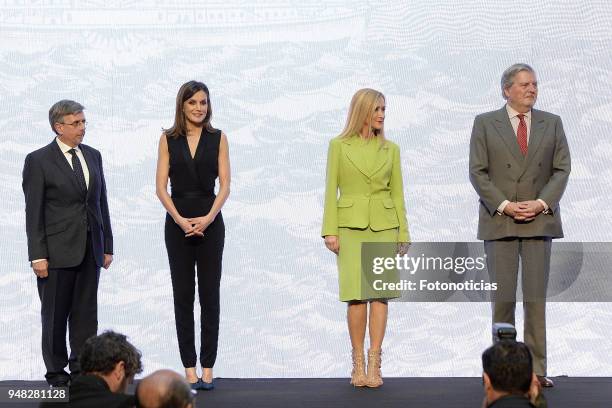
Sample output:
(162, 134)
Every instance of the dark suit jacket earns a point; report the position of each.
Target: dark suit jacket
(499, 171)
(58, 211)
(91, 391)
(511, 401)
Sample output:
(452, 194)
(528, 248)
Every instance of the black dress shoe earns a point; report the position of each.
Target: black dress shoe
(58, 384)
(58, 379)
(545, 382)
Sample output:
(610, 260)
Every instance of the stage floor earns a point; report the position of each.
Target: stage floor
(591, 392)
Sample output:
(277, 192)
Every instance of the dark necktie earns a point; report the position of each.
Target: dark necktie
(521, 134)
(78, 169)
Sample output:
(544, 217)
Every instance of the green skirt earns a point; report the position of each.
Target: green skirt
(356, 282)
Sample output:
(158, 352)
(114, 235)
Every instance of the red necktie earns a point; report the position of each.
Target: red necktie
(521, 134)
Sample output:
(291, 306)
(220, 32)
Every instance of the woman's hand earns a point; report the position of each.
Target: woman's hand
(200, 223)
(402, 248)
(188, 227)
(331, 242)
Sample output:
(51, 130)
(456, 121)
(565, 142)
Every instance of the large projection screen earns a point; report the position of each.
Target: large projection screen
(281, 74)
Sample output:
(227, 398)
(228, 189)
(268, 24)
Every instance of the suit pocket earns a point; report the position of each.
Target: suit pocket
(57, 227)
(345, 211)
(390, 211)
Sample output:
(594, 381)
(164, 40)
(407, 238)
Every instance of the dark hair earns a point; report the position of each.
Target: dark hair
(509, 365)
(101, 353)
(61, 109)
(186, 91)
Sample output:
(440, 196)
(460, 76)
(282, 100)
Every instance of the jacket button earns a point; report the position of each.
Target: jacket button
(368, 181)
(508, 165)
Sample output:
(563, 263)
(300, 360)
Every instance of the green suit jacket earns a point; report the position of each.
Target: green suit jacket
(368, 197)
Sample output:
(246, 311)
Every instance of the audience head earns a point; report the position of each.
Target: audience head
(111, 357)
(507, 369)
(164, 389)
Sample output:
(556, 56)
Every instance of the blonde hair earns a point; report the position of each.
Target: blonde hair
(363, 105)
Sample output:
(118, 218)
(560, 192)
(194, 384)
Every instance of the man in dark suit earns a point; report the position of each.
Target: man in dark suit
(69, 236)
(519, 166)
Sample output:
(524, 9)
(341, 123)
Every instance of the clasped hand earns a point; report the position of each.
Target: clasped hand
(194, 226)
(524, 210)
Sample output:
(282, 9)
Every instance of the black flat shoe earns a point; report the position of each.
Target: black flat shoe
(205, 386)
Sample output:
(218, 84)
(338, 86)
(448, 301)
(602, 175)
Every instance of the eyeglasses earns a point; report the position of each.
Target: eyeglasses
(76, 123)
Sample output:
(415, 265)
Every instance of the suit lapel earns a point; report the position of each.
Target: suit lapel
(355, 155)
(504, 128)
(62, 163)
(91, 167)
(538, 124)
(382, 155)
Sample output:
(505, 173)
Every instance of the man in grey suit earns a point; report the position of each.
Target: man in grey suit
(519, 166)
(69, 236)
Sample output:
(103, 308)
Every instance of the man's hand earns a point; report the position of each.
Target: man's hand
(108, 259)
(511, 209)
(41, 268)
(331, 242)
(527, 210)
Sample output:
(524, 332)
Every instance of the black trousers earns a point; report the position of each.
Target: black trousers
(184, 254)
(69, 298)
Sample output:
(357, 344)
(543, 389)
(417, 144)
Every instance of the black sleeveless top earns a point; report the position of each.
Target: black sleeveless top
(192, 181)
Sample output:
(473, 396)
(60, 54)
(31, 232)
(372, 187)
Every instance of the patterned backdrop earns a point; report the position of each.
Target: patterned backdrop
(281, 74)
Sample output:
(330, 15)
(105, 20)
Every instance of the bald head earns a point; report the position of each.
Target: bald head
(164, 389)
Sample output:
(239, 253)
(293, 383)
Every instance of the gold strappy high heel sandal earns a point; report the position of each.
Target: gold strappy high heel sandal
(358, 375)
(374, 376)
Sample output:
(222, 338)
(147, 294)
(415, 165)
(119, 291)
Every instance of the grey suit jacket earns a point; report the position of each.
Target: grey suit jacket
(499, 171)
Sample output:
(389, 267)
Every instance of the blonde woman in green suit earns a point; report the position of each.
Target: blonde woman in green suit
(365, 169)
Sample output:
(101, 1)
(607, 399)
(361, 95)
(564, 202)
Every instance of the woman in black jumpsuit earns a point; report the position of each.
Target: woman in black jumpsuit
(192, 154)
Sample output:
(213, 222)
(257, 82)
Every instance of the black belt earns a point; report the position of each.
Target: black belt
(193, 194)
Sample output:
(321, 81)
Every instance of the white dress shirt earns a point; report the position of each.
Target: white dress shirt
(64, 148)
